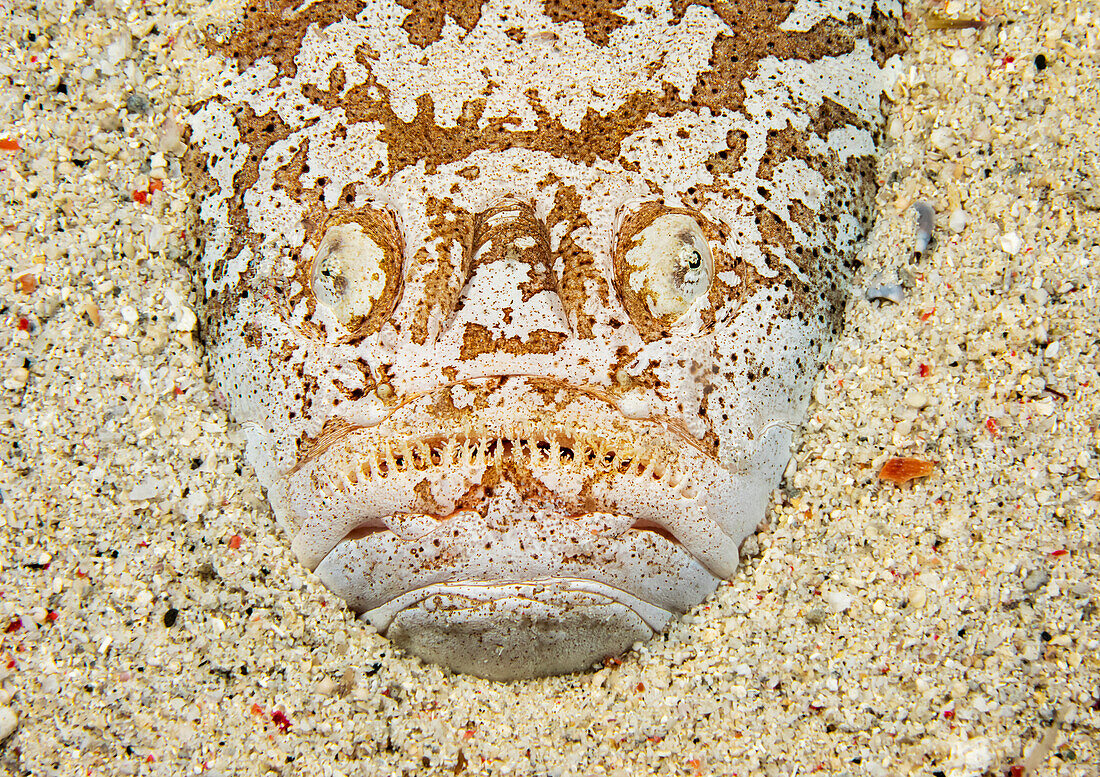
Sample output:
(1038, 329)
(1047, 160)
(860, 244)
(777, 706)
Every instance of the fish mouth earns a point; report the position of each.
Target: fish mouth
(513, 497)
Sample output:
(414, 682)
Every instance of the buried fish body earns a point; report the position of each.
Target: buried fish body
(519, 303)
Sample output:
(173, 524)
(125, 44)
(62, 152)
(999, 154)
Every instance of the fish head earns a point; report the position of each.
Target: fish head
(519, 365)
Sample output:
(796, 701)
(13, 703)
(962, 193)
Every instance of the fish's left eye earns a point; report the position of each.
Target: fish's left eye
(663, 269)
(357, 272)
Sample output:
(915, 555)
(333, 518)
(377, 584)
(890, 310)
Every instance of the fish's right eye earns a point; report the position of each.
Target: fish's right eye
(357, 271)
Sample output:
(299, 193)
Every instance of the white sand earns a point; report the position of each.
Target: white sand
(938, 627)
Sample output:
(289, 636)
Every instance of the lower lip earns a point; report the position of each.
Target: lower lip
(378, 567)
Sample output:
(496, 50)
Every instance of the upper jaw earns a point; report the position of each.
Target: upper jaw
(562, 449)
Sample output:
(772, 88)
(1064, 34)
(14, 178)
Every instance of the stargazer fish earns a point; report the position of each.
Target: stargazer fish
(520, 302)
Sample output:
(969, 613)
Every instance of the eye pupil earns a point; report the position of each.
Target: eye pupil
(696, 261)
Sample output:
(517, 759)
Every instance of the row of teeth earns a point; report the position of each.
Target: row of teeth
(486, 452)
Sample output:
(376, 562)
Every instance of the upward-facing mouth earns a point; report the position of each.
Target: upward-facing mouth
(570, 455)
(524, 487)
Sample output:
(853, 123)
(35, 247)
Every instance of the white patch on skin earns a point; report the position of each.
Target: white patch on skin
(673, 150)
(851, 141)
(269, 204)
(495, 288)
(635, 405)
(253, 85)
(461, 397)
(808, 12)
(793, 179)
(854, 80)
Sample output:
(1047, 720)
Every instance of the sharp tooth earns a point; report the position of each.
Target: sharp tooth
(588, 447)
(424, 453)
(450, 451)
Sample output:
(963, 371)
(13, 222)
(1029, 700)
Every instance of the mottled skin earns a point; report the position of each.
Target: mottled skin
(519, 303)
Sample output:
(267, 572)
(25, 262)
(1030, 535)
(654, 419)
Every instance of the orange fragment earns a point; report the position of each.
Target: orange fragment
(7, 144)
(902, 470)
(27, 282)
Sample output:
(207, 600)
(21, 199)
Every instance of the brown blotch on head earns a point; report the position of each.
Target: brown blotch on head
(357, 392)
(477, 339)
(275, 29)
(783, 144)
(424, 24)
(597, 16)
(450, 234)
(289, 179)
(832, 115)
(195, 166)
(755, 34)
(725, 163)
(253, 335)
(581, 279)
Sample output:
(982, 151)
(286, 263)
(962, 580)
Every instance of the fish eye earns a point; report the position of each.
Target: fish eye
(662, 268)
(357, 272)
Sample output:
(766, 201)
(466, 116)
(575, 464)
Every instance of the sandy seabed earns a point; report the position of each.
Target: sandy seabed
(154, 622)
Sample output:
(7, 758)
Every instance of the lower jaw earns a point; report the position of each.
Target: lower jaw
(525, 600)
(511, 631)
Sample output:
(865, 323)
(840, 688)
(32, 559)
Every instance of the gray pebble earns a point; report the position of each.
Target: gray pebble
(135, 103)
(1036, 579)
